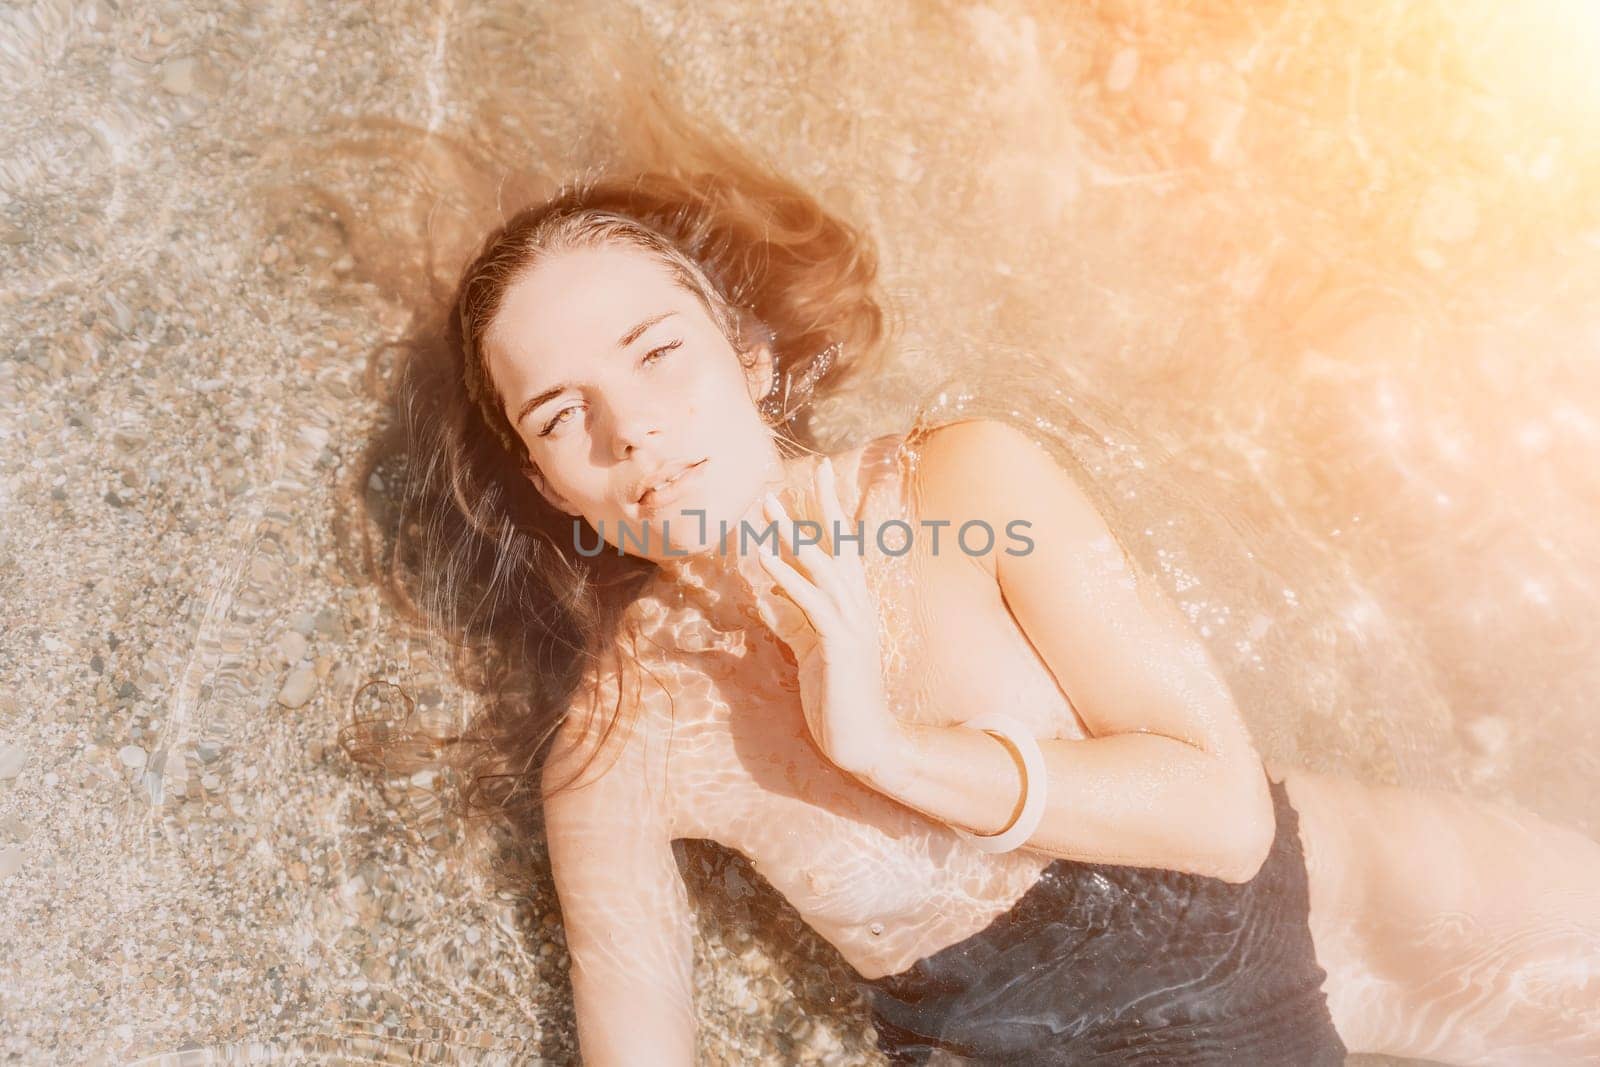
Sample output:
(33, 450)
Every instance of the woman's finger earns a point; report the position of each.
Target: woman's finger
(794, 584)
(821, 570)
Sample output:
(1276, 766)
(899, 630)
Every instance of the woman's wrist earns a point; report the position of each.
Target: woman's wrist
(936, 770)
(891, 767)
(1023, 746)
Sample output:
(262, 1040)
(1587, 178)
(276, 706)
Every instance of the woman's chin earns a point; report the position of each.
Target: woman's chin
(667, 535)
(698, 526)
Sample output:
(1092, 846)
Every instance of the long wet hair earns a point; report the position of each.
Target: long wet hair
(477, 553)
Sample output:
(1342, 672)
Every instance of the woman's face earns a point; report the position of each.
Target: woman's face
(617, 378)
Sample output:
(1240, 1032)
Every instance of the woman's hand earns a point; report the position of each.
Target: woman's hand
(834, 637)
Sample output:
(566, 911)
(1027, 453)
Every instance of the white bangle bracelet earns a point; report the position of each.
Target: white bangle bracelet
(1017, 735)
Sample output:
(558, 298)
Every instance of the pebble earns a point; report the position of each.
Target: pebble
(1446, 214)
(10, 861)
(1490, 734)
(298, 688)
(330, 624)
(1164, 98)
(291, 646)
(11, 760)
(132, 756)
(1120, 73)
(153, 673)
(177, 76)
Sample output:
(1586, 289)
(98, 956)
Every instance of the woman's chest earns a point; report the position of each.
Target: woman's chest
(878, 879)
(951, 648)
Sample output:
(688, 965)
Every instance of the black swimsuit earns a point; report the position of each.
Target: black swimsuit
(1100, 964)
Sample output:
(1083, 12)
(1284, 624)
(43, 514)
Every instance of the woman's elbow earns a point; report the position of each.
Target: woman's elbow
(1252, 826)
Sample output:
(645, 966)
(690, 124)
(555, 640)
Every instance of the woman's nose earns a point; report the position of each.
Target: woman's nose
(631, 428)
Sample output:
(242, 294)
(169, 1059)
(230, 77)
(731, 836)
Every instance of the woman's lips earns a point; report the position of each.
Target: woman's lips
(666, 494)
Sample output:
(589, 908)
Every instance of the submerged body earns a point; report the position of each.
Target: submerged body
(1432, 944)
(634, 346)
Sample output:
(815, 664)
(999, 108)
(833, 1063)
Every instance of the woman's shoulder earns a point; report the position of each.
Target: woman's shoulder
(972, 456)
(938, 463)
(972, 439)
(632, 687)
(927, 465)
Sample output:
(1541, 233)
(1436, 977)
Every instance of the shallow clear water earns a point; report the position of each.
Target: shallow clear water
(1321, 285)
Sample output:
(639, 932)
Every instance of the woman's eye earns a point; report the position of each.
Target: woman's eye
(647, 360)
(560, 417)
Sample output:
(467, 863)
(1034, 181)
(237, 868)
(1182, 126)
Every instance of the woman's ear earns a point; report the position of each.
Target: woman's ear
(761, 373)
(557, 501)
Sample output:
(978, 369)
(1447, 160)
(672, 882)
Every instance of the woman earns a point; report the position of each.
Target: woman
(1104, 872)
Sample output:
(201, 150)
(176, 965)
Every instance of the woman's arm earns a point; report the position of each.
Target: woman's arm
(1170, 777)
(624, 909)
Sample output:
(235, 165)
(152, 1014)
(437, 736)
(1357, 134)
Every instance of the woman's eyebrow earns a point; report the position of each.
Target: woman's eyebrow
(556, 390)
